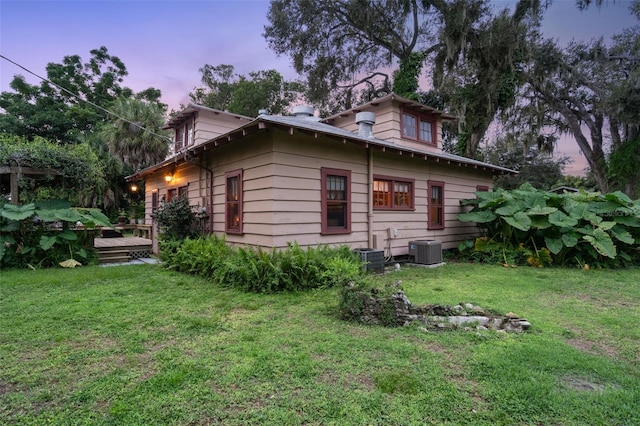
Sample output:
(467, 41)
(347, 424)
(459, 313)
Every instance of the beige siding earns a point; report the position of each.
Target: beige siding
(282, 193)
(209, 125)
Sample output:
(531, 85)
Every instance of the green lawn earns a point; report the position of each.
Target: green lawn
(141, 345)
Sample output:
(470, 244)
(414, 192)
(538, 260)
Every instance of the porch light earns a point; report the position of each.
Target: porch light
(168, 177)
(134, 187)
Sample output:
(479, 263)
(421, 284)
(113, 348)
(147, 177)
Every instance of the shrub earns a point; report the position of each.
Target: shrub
(262, 271)
(41, 235)
(541, 227)
(176, 218)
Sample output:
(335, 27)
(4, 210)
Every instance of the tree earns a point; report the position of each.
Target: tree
(135, 135)
(593, 90)
(226, 91)
(534, 166)
(59, 108)
(345, 47)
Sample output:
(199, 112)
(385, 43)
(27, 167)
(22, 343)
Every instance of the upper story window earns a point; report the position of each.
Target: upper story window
(336, 201)
(392, 193)
(184, 135)
(418, 127)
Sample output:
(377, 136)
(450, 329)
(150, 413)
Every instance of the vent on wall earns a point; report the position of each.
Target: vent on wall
(426, 252)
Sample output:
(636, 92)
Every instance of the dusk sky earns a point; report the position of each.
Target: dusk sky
(164, 43)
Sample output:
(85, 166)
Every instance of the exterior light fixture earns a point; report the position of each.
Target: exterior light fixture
(134, 187)
(168, 177)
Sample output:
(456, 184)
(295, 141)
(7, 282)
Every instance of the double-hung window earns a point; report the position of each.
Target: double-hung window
(233, 202)
(392, 193)
(418, 127)
(435, 200)
(336, 201)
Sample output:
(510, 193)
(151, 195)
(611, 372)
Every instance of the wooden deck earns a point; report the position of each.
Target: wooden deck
(124, 249)
(120, 242)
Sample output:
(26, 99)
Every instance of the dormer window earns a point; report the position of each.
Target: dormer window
(418, 127)
(184, 135)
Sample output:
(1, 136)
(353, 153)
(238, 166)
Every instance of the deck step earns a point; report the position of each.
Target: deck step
(115, 259)
(122, 254)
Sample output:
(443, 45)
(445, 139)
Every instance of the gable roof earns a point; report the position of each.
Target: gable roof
(406, 102)
(313, 127)
(187, 111)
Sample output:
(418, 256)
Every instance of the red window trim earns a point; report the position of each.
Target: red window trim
(183, 191)
(430, 224)
(325, 229)
(172, 193)
(230, 229)
(482, 188)
(392, 180)
(418, 117)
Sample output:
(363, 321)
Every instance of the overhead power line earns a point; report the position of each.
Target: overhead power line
(77, 96)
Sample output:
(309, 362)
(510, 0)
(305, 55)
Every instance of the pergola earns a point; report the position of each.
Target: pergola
(15, 174)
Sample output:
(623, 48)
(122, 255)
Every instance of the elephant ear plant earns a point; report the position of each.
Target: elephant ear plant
(44, 234)
(572, 228)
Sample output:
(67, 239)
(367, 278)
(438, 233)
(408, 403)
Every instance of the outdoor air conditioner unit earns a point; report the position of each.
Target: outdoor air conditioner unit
(426, 252)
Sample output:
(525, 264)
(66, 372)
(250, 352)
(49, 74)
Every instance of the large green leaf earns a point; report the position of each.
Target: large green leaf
(554, 244)
(632, 221)
(541, 210)
(482, 216)
(536, 199)
(606, 225)
(14, 212)
(492, 199)
(68, 215)
(47, 241)
(558, 218)
(510, 208)
(519, 221)
(7, 225)
(68, 235)
(97, 217)
(604, 207)
(621, 234)
(601, 241)
(540, 222)
(577, 210)
(619, 197)
(570, 239)
(49, 215)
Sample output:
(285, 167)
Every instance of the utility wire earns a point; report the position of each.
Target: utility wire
(85, 100)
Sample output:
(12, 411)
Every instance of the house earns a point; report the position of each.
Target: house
(374, 176)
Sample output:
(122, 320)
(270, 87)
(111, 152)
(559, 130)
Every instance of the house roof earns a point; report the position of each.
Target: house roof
(191, 108)
(390, 98)
(313, 127)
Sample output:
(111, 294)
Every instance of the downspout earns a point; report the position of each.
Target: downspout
(210, 203)
(370, 196)
(365, 121)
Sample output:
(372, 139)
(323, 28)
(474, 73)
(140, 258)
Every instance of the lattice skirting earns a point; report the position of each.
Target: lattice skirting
(140, 253)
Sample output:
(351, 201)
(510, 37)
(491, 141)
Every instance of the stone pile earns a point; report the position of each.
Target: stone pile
(397, 310)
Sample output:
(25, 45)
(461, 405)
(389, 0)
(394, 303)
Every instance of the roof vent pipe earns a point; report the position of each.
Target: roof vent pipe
(303, 111)
(365, 121)
(263, 112)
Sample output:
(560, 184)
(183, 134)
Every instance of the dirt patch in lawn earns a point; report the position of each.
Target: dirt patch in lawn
(593, 348)
(584, 384)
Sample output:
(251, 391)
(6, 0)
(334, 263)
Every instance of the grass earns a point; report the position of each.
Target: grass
(142, 345)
